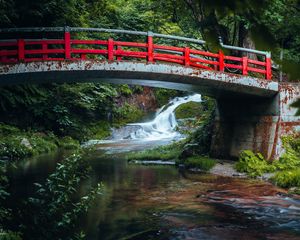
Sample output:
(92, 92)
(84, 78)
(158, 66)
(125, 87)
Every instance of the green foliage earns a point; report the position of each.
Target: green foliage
(54, 210)
(163, 96)
(189, 110)
(199, 162)
(253, 164)
(125, 90)
(9, 235)
(168, 152)
(127, 114)
(288, 178)
(291, 157)
(68, 143)
(16, 144)
(199, 141)
(287, 166)
(4, 194)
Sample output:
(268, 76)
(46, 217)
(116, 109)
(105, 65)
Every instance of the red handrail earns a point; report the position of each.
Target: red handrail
(28, 50)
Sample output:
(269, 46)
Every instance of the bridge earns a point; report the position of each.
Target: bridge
(253, 110)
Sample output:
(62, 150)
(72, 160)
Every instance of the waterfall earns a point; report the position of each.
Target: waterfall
(162, 127)
(164, 124)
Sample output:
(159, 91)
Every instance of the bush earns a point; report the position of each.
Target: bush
(253, 164)
(54, 209)
(68, 143)
(287, 178)
(291, 157)
(199, 162)
(9, 235)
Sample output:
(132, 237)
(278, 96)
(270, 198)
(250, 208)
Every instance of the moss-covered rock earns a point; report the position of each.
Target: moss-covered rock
(189, 110)
(127, 114)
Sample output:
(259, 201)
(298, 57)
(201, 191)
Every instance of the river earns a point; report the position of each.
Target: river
(162, 202)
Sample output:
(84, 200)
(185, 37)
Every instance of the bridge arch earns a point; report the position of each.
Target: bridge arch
(252, 112)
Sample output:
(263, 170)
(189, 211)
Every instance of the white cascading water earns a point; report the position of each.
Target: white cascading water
(162, 127)
(164, 124)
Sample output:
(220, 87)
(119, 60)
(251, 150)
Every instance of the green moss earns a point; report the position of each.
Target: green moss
(189, 110)
(199, 162)
(127, 114)
(163, 96)
(168, 152)
(124, 90)
(287, 179)
(253, 164)
(98, 130)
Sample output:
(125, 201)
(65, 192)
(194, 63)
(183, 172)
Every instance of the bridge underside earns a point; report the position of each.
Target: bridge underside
(212, 83)
(252, 113)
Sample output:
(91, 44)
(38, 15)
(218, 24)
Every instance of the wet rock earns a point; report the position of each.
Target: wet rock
(25, 142)
(124, 132)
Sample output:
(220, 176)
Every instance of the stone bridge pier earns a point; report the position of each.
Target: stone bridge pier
(255, 123)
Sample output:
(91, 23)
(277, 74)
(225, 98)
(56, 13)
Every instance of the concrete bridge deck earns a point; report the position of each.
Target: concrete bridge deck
(213, 83)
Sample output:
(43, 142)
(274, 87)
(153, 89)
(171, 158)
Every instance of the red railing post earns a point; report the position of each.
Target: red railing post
(21, 49)
(67, 43)
(268, 68)
(44, 48)
(150, 47)
(187, 56)
(245, 65)
(221, 61)
(119, 58)
(110, 49)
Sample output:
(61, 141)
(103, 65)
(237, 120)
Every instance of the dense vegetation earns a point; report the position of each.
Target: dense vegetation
(41, 118)
(286, 169)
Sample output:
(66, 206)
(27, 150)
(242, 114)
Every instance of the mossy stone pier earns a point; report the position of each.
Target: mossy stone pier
(256, 124)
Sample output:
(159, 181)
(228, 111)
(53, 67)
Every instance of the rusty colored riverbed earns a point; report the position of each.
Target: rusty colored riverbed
(162, 203)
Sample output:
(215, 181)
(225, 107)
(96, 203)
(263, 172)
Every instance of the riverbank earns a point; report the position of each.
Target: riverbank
(284, 172)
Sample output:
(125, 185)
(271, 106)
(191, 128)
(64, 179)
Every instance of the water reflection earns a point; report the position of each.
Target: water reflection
(159, 202)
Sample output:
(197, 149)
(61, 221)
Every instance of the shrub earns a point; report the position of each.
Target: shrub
(55, 210)
(291, 157)
(287, 178)
(253, 164)
(69, 143)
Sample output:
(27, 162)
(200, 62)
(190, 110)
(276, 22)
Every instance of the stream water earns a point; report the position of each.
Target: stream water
(161, 202)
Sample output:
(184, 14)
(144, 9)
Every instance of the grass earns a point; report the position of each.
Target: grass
(168, 152)
(199, 162)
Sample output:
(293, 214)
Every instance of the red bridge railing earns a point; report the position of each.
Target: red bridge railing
(73, 49)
